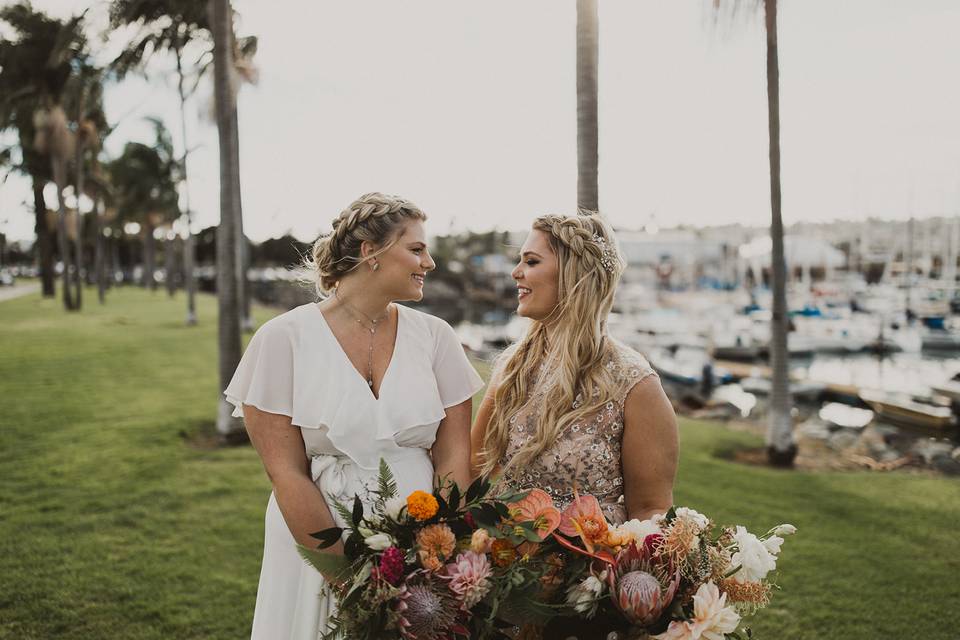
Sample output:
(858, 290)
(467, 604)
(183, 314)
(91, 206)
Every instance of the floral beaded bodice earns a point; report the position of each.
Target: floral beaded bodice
(586, 455)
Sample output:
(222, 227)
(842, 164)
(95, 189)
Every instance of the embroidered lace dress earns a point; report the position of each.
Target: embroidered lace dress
(586, 455)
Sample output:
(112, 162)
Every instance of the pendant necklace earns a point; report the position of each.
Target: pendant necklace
(359, 316)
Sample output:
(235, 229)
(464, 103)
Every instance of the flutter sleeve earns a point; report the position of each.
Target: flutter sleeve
(456, 378)
(264, 378)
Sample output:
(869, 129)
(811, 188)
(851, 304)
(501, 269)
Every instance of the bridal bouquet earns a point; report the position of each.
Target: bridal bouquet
(425, 566)
(676, 576)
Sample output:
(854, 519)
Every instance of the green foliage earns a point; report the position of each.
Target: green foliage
(386, 483)
(333, 567)
(144, 179)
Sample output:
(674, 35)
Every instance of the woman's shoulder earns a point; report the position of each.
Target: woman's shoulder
(626, 363)
(425, 322)
(288, 321)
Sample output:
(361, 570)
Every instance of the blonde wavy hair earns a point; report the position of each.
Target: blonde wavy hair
(373, 217)
(574, 383)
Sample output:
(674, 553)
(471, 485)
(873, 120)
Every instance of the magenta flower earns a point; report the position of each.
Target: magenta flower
(391, 565)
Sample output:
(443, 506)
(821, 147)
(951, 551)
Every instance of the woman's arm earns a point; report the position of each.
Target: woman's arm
(281, 450)
(480, 423)
(650, 450)
(451, 449)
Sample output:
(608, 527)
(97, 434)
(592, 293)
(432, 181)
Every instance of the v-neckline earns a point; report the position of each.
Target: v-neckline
(359, 376)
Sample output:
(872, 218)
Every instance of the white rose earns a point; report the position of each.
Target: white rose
(753, 556)
(639, 529)
(393, 507)
(379, 541)
(785, 530)
(698, 518)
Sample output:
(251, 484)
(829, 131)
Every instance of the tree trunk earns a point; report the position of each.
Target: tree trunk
(149, 258)
(114, 258)
(78, 241)
(243, 254)
(588, 52)
(190, 282)
(98, 257)
(169, 265)
(781, 449)
(44, 242)
(221, 19)
(63, 242)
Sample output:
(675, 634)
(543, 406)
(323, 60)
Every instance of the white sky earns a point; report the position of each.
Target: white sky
(469, 110)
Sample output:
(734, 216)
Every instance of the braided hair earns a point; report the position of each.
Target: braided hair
(574, 382)
(373, 217)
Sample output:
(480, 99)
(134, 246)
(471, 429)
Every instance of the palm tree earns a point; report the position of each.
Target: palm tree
(221, 23)
(781, 448)
(167, 25)
(587, 133)
(35, 66)
(170, 26)
(85, 89)
(144, 183)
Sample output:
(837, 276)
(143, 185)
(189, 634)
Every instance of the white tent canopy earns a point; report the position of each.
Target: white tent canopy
(798, 251)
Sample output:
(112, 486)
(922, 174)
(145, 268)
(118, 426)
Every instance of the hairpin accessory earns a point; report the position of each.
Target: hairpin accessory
(608, 255)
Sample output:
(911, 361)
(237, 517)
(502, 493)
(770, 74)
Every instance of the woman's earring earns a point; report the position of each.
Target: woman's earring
(376, 265)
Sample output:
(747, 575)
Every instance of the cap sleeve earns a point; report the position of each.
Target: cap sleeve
(456, 378)
(631, 368)
(264, 377)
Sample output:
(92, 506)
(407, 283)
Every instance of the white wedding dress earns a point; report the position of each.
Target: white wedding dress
(294, 366)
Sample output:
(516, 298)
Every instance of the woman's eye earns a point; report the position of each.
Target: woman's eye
(532, 262)
(418, 251)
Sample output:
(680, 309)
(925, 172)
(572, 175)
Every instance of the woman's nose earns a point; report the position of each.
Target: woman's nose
(517, 272)
(428, 264)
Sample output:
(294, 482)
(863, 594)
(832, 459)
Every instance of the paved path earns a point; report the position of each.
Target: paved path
(17, 290)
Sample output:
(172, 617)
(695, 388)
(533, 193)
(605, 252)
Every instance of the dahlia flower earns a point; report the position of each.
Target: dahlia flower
(712, 619)
(469, 577)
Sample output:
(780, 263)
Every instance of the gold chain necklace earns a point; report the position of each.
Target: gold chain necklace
(357, 314)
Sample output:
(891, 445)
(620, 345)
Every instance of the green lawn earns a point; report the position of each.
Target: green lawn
(113, 524)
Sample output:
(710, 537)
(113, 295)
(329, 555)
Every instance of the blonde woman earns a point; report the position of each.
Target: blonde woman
(328, 389)
(568, 407)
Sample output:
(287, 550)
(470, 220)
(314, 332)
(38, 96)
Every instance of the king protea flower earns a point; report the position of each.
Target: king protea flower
(425, 609)
(635, 588)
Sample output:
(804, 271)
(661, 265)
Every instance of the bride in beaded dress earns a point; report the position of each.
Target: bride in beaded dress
(568, 407)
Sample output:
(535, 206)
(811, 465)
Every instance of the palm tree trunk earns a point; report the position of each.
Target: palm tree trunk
(169, 265)
(60, 178)
(44, 241)
(98, 256)
(243, 285)
(78, 242)
(781, 449)
(188, 245)
(149, 257)
(221, 23)
(588, 52)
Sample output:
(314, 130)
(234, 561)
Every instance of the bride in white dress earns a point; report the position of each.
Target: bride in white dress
(362, 379)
